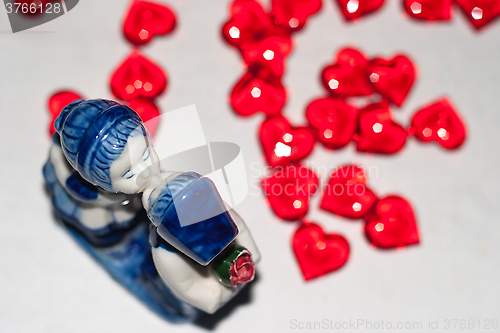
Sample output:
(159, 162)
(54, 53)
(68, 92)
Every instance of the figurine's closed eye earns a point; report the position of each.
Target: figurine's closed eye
(129, 174)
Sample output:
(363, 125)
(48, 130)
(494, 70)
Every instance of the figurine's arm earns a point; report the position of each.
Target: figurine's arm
(191, 282)
(197, 284)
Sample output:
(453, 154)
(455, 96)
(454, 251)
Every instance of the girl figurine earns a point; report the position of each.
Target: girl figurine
(204, 253)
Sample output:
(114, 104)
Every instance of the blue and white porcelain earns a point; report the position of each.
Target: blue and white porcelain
(101, 165)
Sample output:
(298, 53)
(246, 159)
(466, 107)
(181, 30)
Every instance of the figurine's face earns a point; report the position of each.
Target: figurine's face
(137, 163)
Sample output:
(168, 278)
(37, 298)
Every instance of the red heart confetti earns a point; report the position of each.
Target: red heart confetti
(147, 19)
(335, 122)
(354, 9)
(248, 20)
(293, 14)
(378, 133)
(270, 52)
(258, 91)
(136, 77)
(148, 111)
(393, 78)
(318, 253)
(283, 143)
(391, 223)
(480, 12)
(347, 76)
(347, 194)
(439, 122)
(57, 102)
(288, 191)
(429, 10)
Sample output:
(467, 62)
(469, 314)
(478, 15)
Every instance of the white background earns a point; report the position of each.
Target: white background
(48, 284)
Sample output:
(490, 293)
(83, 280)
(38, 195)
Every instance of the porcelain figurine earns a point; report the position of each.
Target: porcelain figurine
(203, 253)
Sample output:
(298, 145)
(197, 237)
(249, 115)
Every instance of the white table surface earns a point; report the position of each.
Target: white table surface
(48, 284)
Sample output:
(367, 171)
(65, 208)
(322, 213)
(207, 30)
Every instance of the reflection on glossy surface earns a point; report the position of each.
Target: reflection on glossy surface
(247, 21)
(393, 78)
(439, 122)
(480, 12)
(334, 121)
(347, 194)
(347, 75)
(283, 143)
(429, 10)
(354, 9)
(293, 14)
(145, 20)
(289, 187)
(136, 77)
(318, 253)
(378, 133)
(391, 223)
(258, 92)
(269, 52)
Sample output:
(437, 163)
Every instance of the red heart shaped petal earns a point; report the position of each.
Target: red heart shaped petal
(57, 102)
(347, 76)
(136, 77)
(147, 19)
(288, 191)
(429, 10)
(283, 143)
(248, 20)
(258, 91)
(269, 53)
(347, 194)
(480, 12)
(439, 122)
(318, 253)
(293, 14)
(391, 223)
(353, 9)
(393, 78)
(148, 111)
(335, 122)
(378, 133)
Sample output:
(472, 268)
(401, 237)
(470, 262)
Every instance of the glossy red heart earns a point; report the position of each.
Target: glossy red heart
(288, 191)
(148, 111)
(347, 194)
(247, 22)
(270, 52)
(480, 12)
(57, 102)
(283, 143)
(335, 122)
(347, 76)
(147, 19)
(293, 14)
(258, 91)
(353, 9)
(393, 78)
(136, 77)
(391, 223)
(378, 133)
(318, 253)
(439, 122)
(429, 10)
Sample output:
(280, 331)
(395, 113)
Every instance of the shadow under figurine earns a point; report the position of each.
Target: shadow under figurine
(166, 236)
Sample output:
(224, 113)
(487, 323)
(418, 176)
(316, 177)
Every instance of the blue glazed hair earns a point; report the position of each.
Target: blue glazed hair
(94, 134)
